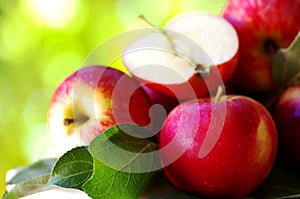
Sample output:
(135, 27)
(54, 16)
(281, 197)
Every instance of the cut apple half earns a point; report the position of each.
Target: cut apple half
(192, 56)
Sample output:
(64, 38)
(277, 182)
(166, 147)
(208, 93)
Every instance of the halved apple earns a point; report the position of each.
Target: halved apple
(190, 58)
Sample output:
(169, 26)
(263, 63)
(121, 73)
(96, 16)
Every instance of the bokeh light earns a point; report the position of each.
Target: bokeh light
(42, 42)
(68, 61)
(53, 13)
(16, 38)
(128, 17)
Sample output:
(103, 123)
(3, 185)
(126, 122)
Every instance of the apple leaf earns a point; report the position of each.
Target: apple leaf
(286, 64)
(108, 183)
(119, 164)
(36, 169)
(27, 187)
(72, 169)
(121, 148)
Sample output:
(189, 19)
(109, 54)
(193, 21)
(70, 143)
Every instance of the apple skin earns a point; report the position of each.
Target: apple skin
(263, 27)
(287, 119)
(91, 100)
(238, 162)
(222, 64)
(197, 86)
(167, 102)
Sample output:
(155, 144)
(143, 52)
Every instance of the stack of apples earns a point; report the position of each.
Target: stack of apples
(211, 144)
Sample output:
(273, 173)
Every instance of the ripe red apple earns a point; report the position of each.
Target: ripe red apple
(219, 149)
(91, 100)
(263, 27)
(193, 55)
(168, 103)
(287, 119)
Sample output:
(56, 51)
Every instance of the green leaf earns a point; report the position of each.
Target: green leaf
(72, 169)
(108, 183)
(121, 149)
(38, 168)
(28, 187)
(123, 164)
(286, 64)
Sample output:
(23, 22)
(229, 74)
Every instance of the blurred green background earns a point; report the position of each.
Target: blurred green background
(42, 42)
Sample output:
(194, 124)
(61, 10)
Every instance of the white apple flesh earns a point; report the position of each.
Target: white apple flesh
(193, 55)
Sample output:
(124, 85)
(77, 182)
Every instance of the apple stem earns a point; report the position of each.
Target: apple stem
(202, 70)
(218, 94)
(144, 19)
(162, 31)
(199, 68)
(68, 121)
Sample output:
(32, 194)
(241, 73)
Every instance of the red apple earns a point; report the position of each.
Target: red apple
(193, 55)
(219, 149)
(263, 27)
(90, 101)
(161, 105)
(168, 103)
(287, 119)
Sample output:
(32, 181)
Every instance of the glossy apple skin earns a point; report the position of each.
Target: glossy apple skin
(287, 119)
(263, 26)
(167, 102)
(240, 159)
(103, 96)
